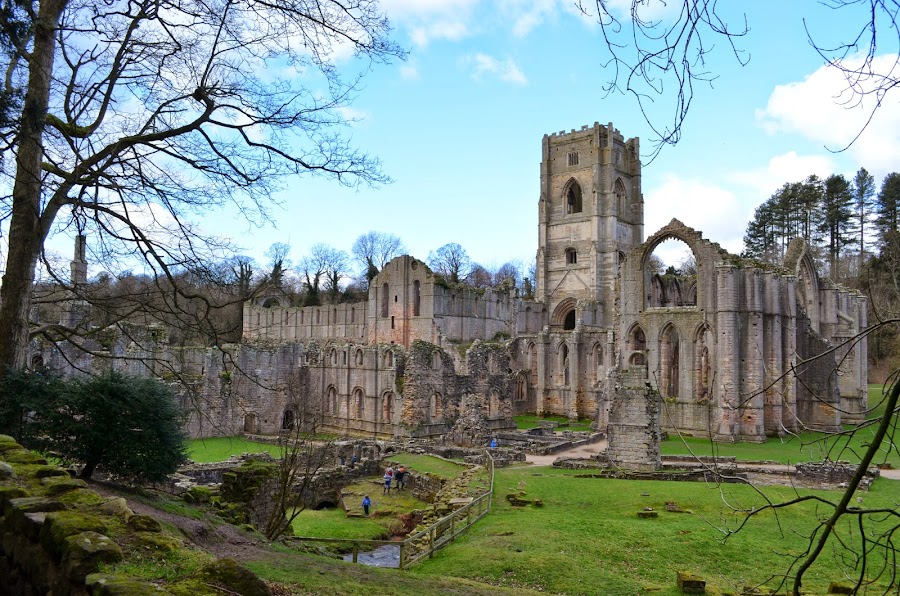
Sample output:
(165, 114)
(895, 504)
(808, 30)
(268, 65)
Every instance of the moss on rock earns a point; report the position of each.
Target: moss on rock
(85, 552)
(60, 525)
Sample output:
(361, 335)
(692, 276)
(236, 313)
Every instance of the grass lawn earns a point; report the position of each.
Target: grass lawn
(587, 538)
(221, 448)
(808, 446)
(527, 421)
(428, 464)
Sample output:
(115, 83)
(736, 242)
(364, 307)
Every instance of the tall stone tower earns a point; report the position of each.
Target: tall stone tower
(591, 213)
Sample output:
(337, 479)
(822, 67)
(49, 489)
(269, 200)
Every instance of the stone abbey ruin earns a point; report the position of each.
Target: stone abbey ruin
(738, 350)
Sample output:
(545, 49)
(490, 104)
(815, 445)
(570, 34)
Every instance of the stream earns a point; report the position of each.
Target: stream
(387, 555)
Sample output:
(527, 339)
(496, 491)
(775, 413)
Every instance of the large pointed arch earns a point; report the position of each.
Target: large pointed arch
(573, 197)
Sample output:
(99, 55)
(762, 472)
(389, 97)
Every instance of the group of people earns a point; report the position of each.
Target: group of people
(397, 478)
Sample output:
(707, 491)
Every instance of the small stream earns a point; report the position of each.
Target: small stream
(387, 555)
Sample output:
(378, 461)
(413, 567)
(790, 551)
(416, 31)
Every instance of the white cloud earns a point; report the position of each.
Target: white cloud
(409, 69)
(787, 167)
(429, 20)
(505, 70)
(821, 108)
(707, 208)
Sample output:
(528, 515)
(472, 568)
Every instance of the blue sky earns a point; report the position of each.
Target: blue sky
(458, 127)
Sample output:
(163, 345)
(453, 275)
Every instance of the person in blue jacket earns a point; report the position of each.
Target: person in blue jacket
(366, 503)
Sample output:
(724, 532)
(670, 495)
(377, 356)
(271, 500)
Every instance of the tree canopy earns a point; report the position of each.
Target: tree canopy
(130, 426)
(136, 116)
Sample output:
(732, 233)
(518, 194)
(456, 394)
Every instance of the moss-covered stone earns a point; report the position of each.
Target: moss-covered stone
(143, 523)
(62, 524)
(23, 456)
(197, 494)
(158, 542)
(8, 492)
(228, 574)
(85, 552)
(102, 584)
(50, 471)
(57, 485)
(81, 498)
(117, 507)
(6, 471)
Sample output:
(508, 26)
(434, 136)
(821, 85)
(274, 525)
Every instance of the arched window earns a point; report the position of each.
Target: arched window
(417, 298)
(564, 364)
(333, 357)
(387, 407)
(494, 404)
(569, 322)
(573, 198)
(598, 362)
(436, 360)
(389, 359)
(521, 388)
(359, 357)
(436, 409)
(669, 362)
(287, 420)
(533, 363)
(619, 189)
(637, 345)
(333, 401)
(352, 315)
(384, 301)
(571, 256)
(360, 399)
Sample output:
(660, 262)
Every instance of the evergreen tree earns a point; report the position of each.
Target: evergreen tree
(837, 217)
(888, 206)
(863, 191)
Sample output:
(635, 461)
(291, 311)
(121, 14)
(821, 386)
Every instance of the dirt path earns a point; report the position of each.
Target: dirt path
(582, 451)
(211, 534)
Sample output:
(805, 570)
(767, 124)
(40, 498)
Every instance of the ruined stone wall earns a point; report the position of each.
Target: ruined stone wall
(634, 421)
(279, 323)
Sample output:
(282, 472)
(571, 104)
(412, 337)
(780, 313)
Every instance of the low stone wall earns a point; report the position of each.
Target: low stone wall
(55, 533)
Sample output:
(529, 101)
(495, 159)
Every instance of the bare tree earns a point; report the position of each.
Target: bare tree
(374, 249)
(138, 115)
(322, 268)
(278, 261)
(479, 276)
(452, 261)
(665, 57)
(510, 272)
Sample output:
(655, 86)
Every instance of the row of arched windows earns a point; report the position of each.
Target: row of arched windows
(355, 405)
(339, 358)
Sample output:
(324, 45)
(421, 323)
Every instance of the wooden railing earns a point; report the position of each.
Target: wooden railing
(426, 542)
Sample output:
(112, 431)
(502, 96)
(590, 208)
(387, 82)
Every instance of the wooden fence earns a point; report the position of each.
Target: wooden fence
(424, 543)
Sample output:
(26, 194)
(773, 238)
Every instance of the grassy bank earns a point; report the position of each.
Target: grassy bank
(587, 538)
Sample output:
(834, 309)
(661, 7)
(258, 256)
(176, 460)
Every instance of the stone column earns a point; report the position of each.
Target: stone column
(728, 354)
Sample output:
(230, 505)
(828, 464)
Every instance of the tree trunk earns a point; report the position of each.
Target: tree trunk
(26, 229)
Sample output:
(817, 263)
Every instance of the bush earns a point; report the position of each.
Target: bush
(130, 426)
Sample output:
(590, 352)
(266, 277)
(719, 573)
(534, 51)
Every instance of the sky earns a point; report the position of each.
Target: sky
(458, 128)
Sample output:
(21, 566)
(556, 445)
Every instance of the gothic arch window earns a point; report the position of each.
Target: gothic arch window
(521, 388)
(436, 409)
(564, 364)
(417, 298)
(384, 301)
(669, 361)
(703, 364)
(288, 419)
(533, 363)
(352, 315)
(318, 316)
(387, 407)
(637, 346)
(359, 399)
(359, 357)
(573, 197)
(597, 357)
(571, 256)
(494, 404)
(333, 357)
(344, 357)
(569, 321)
(389, 359)
(619, 189)
(333, 401)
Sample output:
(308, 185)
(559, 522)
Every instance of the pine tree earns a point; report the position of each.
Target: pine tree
(863, 191)
(888, 206)
(837, 217)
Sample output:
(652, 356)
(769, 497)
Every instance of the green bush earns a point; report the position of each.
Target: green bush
(130, 426)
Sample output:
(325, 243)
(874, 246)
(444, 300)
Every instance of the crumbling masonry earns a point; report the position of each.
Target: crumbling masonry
(738, 350)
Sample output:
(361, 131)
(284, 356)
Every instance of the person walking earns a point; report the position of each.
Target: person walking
(366, 503)
(400, 478)
(387, 481)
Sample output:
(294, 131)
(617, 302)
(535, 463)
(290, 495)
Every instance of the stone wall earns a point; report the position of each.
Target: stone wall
(634, 422)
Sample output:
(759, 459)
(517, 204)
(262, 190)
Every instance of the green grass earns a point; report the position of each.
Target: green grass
(527, 421)
(587, 538)
(807, 446)
(334, 523)
(221, 448)
(428, 464)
